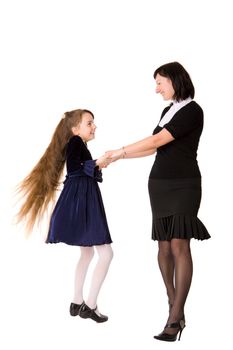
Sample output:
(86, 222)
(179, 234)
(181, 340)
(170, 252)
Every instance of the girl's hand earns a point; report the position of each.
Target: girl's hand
(115, 155)
(103, 161)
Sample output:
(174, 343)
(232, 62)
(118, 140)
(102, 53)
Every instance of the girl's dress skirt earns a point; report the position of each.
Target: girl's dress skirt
(79, 217)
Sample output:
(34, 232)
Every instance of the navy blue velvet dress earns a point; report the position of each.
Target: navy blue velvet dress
(79, 216)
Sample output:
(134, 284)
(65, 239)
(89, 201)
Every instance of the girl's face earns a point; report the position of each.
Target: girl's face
(164, 87)
(86, 128)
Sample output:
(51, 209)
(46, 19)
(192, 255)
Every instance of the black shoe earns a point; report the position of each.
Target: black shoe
(75, 309)
(86, 312)
(171, 337)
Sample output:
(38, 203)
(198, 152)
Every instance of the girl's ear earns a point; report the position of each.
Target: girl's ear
(74, 130)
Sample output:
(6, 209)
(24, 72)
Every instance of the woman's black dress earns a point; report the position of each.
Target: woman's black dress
(79, 216)
(175, 179)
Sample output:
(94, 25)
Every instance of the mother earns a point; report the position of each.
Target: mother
(174, 187)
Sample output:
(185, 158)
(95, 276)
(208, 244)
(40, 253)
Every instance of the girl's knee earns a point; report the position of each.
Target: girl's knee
(87, 253)
(110, 253)
(105, 252)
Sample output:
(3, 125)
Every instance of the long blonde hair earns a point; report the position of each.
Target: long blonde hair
(39, 187)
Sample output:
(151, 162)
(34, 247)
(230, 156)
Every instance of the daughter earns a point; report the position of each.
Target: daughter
(78, 217)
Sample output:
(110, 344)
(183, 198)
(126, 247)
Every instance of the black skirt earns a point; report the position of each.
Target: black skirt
(175, 204)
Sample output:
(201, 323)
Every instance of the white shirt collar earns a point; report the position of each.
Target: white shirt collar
(176, 106)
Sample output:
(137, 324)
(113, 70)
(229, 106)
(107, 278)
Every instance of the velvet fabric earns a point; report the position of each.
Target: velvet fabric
(79, 216)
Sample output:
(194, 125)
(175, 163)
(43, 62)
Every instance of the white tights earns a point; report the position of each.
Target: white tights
(105, 255)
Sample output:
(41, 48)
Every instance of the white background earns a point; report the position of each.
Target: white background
(101, 55)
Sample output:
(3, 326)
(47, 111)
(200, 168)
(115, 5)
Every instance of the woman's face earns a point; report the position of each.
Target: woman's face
(86, 128)
(164, 87)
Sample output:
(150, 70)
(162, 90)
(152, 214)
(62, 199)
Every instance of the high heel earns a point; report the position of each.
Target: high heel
(172, 337)
(87, 312)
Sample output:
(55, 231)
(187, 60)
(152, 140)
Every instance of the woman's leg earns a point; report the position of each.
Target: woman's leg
(86, 256)
(183, 276)
(105, 254)
(166, 265)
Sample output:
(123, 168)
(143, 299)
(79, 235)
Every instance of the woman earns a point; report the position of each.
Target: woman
(174, 187)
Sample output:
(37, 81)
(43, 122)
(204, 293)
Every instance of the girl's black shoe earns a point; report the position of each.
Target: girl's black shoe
(172, 337)
(86, 312)
(75, 308)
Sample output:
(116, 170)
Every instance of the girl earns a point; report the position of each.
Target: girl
(78, 217)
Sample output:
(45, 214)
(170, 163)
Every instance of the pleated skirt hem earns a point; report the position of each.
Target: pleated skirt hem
(80, 244)
(178, 226)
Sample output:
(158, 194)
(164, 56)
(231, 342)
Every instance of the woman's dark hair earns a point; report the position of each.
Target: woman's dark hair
(180, 79)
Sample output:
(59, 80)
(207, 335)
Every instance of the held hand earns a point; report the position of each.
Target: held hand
(115, 154)
(103, 161)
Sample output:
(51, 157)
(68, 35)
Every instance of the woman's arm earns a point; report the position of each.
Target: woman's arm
(151, 142)
(140, 154)
(146, 145)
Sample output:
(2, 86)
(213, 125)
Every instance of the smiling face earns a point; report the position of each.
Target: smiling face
(164, 87)
(86, 128)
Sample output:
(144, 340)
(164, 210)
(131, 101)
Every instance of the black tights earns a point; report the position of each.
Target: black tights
(175, 263)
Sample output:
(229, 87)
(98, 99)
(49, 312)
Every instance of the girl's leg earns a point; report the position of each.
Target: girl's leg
(105, 256)
(86, 256)
(166, 265)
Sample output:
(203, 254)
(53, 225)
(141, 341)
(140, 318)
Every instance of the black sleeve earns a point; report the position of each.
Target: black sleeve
(79, 158)
(74, 152)
(185, 121)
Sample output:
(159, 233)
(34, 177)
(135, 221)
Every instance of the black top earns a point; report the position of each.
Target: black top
(177, 159)
(79, 159)
(76, 153)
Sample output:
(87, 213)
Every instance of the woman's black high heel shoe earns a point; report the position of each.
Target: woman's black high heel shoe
(86, 312)
(75, 308)
(172, 337)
